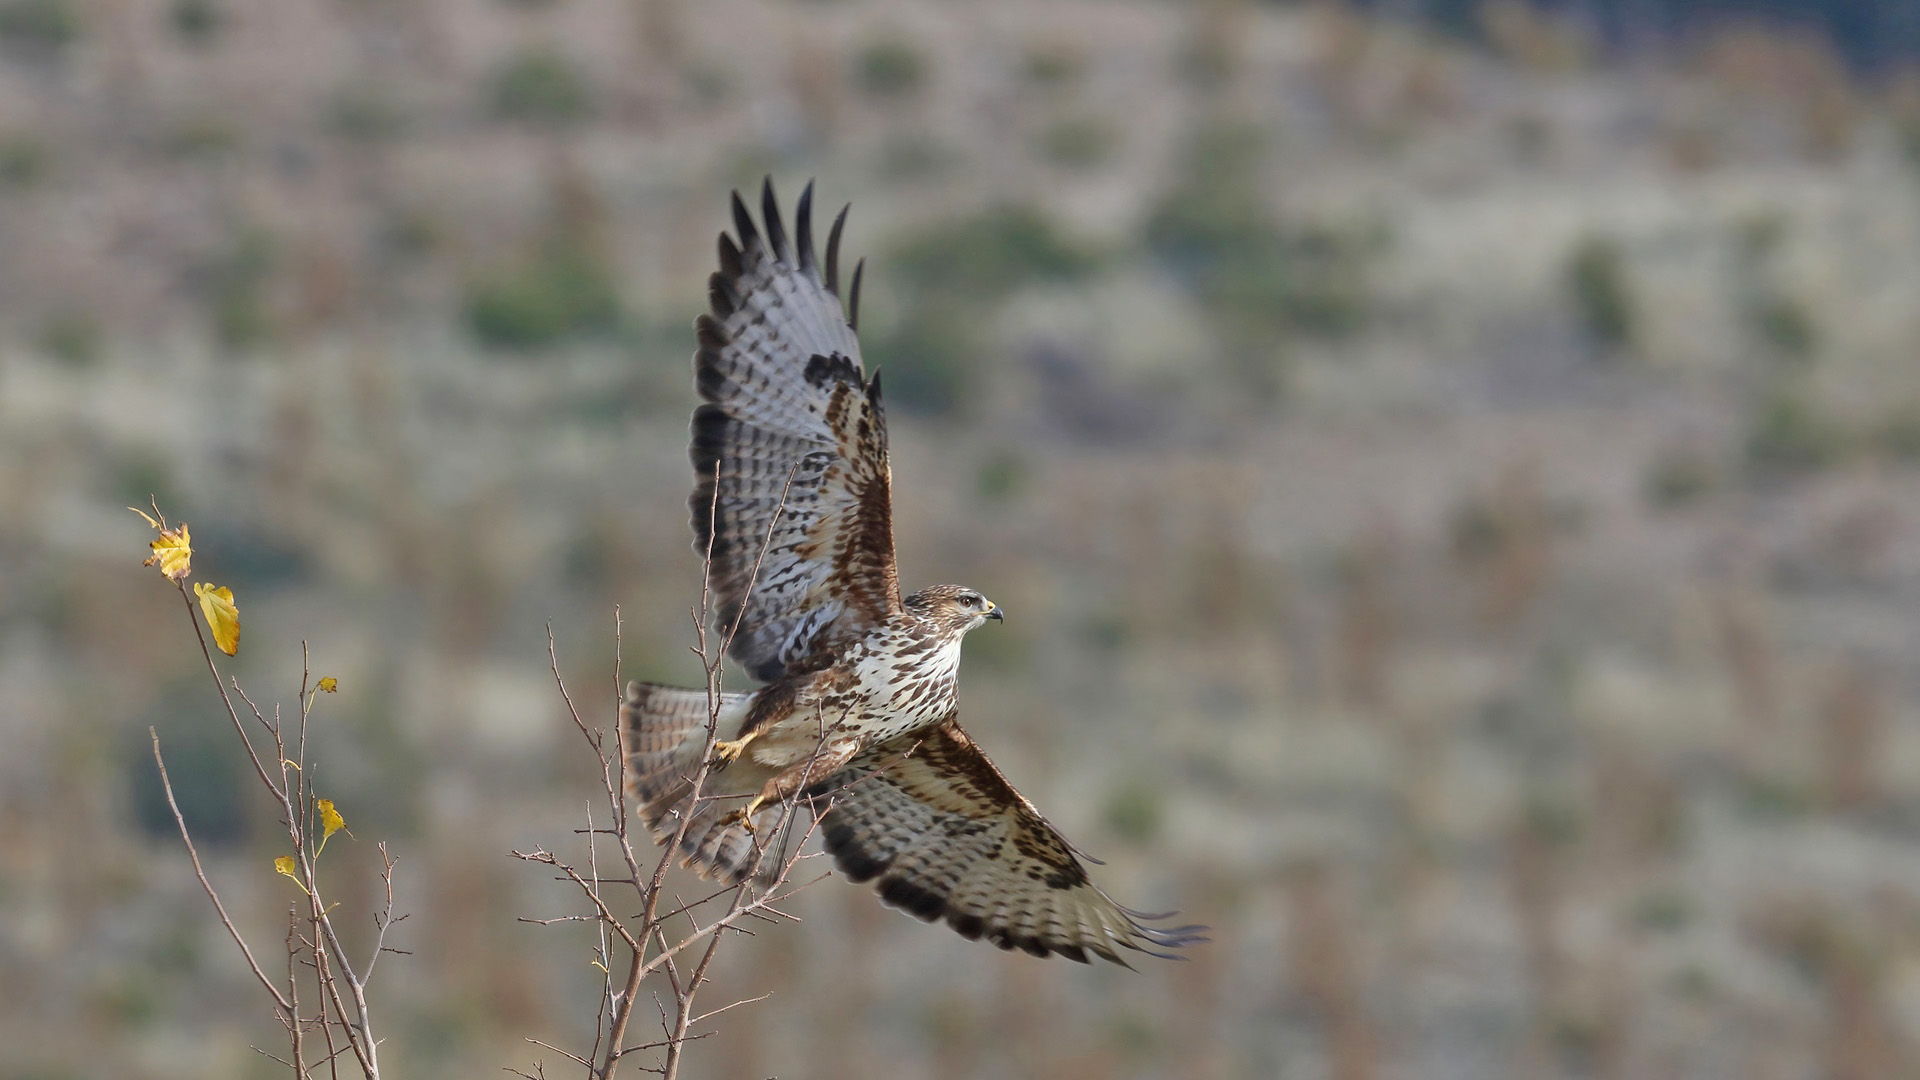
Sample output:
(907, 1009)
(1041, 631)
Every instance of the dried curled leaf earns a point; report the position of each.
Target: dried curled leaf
(328, 685)
(216, 603)
(173, 551)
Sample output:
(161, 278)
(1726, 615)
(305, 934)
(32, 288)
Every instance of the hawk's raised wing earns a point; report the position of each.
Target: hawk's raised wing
(786, 399)
(941, 833)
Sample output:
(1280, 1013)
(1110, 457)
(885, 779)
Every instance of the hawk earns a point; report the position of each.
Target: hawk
(858, 719)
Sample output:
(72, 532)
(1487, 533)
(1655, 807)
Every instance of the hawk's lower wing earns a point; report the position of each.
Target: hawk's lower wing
(941, 833)
(789, 452)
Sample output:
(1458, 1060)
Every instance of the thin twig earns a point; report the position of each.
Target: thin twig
(279, 999)
(232, 714)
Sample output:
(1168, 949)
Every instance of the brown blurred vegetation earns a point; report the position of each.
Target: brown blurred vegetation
(1458, 506)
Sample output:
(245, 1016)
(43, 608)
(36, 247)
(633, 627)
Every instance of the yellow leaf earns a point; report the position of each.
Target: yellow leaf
(173, 551)
(217, 605)
(330, 820)
(328, 685)
(285, 865)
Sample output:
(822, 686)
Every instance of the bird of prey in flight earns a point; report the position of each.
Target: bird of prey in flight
(858, 717)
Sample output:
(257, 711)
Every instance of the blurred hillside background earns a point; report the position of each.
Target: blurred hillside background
(1453, 469)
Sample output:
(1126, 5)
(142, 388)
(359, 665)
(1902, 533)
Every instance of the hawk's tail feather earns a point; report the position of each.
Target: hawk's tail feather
(663, 730)
(729, 854)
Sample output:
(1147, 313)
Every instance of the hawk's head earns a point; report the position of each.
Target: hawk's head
(955, 609)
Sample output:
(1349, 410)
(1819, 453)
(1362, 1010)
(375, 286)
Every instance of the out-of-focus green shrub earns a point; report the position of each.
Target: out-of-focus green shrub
(39, 25)
(912, 155)
(1002, 477)
(1104, 632)
(237, 290)
(1784, 324)
(1909, 135)
(1678, 478)
(409, 231)
(1789, 434)
(1596, 282)
(1215, 232)
(562, 294)
(541, 87)
(1054, 65)
(1774, 318)
(142, 478)
(254, 562)
(1552, 815)
(929, 359)
(1135, 812)
(205, 764)
(708, 84)
(71, 335)
(890, 68)
(24, 162)
(988, 256)
(197, 22)
(949, 277)
(366, 111)
(1081, 143)
(1899, 434)
(1663, 910)
(1216, 208)
(203, 137)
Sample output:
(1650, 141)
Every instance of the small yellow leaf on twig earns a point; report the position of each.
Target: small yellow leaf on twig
(217, 605)
(330, 820)
(285, 865)
(328, 685)
(173, 551)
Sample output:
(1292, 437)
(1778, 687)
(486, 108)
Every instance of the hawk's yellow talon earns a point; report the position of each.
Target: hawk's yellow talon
(726, 750)
(743, 817)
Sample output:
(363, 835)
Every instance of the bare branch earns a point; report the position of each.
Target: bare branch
(569, 1055)
(650, 948)
(279, 999)
(724, 1008)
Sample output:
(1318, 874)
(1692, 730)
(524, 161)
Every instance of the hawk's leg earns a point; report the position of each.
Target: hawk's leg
(834, 753)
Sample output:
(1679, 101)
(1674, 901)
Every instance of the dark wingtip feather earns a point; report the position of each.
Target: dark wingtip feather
(803, 226)
(770, 210)
(833, 250)
(721, 296)
(710, 334)
(743, 224)
(729, 256)
(853, 303)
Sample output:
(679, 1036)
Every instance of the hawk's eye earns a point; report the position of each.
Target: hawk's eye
(971, 599)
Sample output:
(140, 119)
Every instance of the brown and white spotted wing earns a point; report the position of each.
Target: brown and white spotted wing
(942, 834)
(788, 408)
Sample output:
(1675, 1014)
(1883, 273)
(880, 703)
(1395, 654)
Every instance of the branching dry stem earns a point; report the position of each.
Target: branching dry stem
(344, 1019)
(650, 947)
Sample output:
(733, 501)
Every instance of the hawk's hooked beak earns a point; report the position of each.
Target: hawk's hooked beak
(993, 612)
